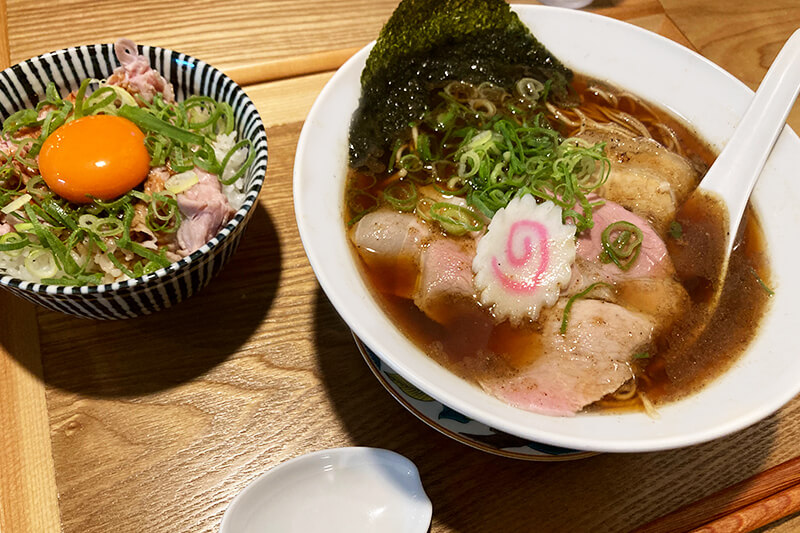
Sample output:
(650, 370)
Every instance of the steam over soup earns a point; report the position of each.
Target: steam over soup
(534, 232)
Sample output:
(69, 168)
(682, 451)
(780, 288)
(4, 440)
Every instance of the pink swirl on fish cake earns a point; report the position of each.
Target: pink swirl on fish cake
(522, 230)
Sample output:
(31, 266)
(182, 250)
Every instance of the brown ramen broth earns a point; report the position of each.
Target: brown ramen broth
(679, 358)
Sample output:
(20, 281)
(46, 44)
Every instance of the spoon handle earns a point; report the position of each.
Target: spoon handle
(734, 173)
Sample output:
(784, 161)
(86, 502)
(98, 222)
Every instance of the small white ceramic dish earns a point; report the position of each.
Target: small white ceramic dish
(701, 94)
(347, 490)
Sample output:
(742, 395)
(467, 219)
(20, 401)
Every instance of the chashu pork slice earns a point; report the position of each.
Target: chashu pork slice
(569, 372)
(205, 209)
(445, 290)
(645, 177)
(391, 242)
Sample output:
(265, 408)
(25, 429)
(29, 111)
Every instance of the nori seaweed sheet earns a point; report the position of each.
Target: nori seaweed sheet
(427, 43)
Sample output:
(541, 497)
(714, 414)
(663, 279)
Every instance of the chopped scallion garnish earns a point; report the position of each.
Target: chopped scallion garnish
(583, 293)
(675, 230)
(455, 219)
(622, 244)
(761, 282)
(402, 195)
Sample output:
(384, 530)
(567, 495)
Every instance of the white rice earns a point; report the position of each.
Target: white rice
(222, 145)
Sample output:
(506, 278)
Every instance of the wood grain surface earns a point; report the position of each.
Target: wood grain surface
(155, 424)
(226, 34)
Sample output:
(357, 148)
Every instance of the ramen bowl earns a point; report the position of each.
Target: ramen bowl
(23, 84)
(700, 94)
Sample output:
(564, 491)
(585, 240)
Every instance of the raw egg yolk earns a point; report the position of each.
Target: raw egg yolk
(100, 156)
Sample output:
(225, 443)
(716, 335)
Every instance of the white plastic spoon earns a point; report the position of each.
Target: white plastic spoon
(733, 175)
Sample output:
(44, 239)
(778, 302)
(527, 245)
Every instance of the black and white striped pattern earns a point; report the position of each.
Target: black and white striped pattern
(23, 84)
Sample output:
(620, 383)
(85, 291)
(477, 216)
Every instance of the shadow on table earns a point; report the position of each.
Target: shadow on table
(477, 491)
(151, 353)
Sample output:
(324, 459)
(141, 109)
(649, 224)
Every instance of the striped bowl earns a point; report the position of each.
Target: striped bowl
(23, 84)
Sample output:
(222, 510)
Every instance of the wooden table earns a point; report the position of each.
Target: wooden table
(155, 424)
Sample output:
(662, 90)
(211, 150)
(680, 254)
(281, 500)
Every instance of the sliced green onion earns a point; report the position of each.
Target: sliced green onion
(164, 209)
(761, 282)
(393, 158)
(100, 100)
(127, 220)
(227, 114)
(242, 169)
(41, 263)
(455, 219)
(411, 162)
(16, 204)
(468, 164)
(79, 98)
(201, 106)
(460, 91)
(675, 230)
(423, 209)
(424, 147)
(114, 206)
(41, 213)
(180, 160)
(123, 96)
(150, 255)
(21, 119)
(206, 159)
(74, 238)
(508, 154)
(25, 227)
(158, 146)
(445, 119)
(479, 141)
(484, 107)
(402, 195)
(626, 245)
(48, 240)
(25, 145)
(97, 241)
(149, 268)
(117, 263)
(54, 120)
(529, 89)
(51, 96)
(181, 182)
(63, 281)
(37, 187)
(103, 227)
(13, 241)
(568, 307)
(60, 214)
(360, 202)
(149, 122)
(453, 181)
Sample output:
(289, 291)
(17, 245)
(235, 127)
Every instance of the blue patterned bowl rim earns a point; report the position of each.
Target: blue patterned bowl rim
(491, 441)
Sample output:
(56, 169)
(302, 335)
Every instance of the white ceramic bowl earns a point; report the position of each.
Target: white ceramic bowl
(352, 490)
(692, 88)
